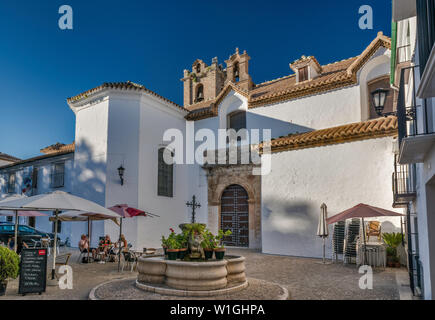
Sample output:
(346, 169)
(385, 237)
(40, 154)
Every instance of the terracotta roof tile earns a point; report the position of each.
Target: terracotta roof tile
(380, 127)
(334, 75)
(58, 147)
(7, 157)
(121, 86)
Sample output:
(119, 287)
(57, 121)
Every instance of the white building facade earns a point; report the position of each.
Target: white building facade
(414, 78)
(328, 146)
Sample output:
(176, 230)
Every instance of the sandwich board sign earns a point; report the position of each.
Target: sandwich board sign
(33, 271)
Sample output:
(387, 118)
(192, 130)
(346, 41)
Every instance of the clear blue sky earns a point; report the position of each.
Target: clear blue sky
(151, 43)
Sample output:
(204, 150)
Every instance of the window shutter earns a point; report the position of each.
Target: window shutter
(165, 176)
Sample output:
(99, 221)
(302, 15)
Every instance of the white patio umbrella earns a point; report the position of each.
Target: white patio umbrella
(18, 213)
(86, 216)
(322, 228)
(55, 201)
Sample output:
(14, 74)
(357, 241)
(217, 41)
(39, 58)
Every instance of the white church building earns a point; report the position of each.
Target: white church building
(328, 146)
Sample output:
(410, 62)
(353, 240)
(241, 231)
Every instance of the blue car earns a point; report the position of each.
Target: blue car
(25, 233)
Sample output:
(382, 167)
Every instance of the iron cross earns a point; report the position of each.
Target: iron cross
(194, 205)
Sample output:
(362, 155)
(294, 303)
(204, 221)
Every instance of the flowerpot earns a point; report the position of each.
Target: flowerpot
(397, 264)
(219, 253)
(3, 285)
(164, 251)
(208, 253)
(172, 254)
(182, 253)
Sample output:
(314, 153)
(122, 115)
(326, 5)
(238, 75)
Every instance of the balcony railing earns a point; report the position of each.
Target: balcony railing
(403, 185)
(412, 114)
(403, 53)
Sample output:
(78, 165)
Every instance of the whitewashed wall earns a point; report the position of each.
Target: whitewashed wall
(155, 118)
(90, 160)
(340, 175)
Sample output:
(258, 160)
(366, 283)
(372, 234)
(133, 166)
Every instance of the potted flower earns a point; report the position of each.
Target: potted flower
(172, 246)
(164, 244)
(9, 267)
(392, 240)
(219, 252)
(182, 239)
(208, 244)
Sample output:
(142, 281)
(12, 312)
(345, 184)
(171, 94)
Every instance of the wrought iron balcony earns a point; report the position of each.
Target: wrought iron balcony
(403, 185)
(403, 53)
(416, 132)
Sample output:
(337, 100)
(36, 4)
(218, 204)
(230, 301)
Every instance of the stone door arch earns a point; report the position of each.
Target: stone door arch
(219, 179)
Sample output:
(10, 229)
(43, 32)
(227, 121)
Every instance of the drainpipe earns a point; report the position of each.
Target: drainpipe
(393, 51)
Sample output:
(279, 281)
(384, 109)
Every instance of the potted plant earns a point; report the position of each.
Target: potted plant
(172, 246)
(219, 252)
(9, 267)
(392, 240)
(164, 244)
(182, 239)
(208, 244)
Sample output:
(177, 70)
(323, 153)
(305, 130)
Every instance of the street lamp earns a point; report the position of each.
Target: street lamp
(379, 97)
(121, 174)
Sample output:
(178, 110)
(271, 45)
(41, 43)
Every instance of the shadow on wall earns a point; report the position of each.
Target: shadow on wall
(290, 228)
(89, 180)
(289, 217)
(278, 127)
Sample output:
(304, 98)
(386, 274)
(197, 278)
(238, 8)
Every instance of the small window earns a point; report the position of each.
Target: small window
(11, 183)
(58, 175)
(199, 93)
(198, 68)
(32, 222)
(303, 73)
(35, 178)
(9, 219)
(237, 120)
(165, 176)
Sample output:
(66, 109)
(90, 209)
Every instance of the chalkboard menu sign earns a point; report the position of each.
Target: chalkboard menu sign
(33, 271)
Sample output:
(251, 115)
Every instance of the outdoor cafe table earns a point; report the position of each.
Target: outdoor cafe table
(376, 255)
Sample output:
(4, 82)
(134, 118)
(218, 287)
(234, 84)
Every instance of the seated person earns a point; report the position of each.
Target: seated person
(105, 245)
(124, 245)
(84, 246)
(20, 245)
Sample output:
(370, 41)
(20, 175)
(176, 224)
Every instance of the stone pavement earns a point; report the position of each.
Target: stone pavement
(304, 278)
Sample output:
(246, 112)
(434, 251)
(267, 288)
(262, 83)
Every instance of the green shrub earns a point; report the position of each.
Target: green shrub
(392, 239)
(209, 241)
(221, 235)
(9, 264)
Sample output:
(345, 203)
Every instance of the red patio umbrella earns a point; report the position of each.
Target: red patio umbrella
(126, 212)
(362, 211)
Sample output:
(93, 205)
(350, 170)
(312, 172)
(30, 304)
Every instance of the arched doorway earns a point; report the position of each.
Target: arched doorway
(235, 215)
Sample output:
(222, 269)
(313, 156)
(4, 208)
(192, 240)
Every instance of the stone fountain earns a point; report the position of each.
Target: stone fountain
(195, 277)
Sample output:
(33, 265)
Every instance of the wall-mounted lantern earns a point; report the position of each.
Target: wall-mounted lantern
(379, 97)
(121, 174)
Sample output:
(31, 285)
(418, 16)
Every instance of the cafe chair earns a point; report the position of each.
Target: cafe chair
(62, 260)
(373, 229)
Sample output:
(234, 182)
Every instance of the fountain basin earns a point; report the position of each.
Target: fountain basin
(192, 276)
